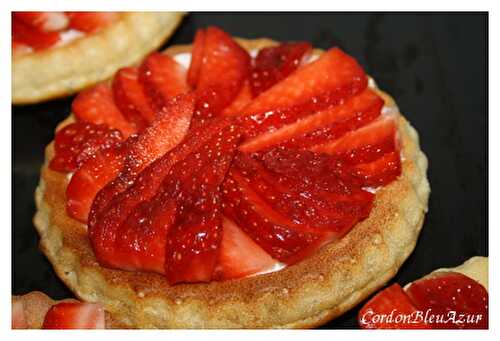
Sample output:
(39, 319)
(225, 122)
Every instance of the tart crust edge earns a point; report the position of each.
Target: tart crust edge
(316, 290)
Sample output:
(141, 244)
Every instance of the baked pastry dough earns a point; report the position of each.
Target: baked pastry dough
(307, 294)
(64, 70)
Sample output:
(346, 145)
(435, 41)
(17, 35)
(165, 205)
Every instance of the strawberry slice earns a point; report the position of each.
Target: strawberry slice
(77, 142)
(91, 21)
(331, 79)
(92, 175)
(131, 99)
(390, 309)
(224, 68)
(326, 125)
(96, 105)
(243, 98)
(275, 63)
(26, 34)
(162, 78)
(363, 145)
(379, 172)
(178, 195)
(18, 320)
(239, 255)
(445, 292)
(43, 21)
(72, 315)
(197, 54)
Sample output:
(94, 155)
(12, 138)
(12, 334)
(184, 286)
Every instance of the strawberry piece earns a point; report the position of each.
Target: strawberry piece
(18, 315)
(327, 81)
(390, 309)
(72, 315)
(275, 63)
(38, 40)
(197, 54)
(178, 195)
(239, 255)
(162, 78)
(91, 21)
(43, 21)
(77, 142)
(243, 98)
(92, 175)
(131, 99)
(326, 125)
(445, 292)
(363, 145)
(379, 172)
(96, 105)
(224, 68)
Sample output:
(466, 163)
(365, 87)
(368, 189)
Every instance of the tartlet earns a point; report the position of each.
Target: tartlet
(63, 70)
(307, 294)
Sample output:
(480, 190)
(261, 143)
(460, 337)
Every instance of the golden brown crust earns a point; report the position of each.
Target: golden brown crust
(85, 61)
(304, 295)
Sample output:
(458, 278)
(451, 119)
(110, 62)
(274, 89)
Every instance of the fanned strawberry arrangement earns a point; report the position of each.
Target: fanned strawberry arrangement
(35, 31)
(233, 167)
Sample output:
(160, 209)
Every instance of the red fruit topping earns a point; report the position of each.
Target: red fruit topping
(224, 68)
(72, 315)
(273, 64)
(329, 80)
(18, 315)
(197, 54)
(96, 105)
(131, 99)
(379, 172)
(26, 34)
(446, 292)
(390, 309)
(77, 142)
(290, 202)
(363, 145)
(239, 255)
(178, 195)
(43, 21)
(90, 177)
(91, 21)
(243, 98)
(162, 78)
(326, 125)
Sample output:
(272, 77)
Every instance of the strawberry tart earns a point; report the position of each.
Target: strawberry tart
(56, 54)
(232, 183)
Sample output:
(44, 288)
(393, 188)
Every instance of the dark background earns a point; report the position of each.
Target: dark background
(434, 65)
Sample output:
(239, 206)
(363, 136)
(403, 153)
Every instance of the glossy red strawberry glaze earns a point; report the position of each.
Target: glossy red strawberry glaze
(204, 173)
(75, 315)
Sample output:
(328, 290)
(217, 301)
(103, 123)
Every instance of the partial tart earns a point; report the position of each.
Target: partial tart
(66, 68)
(307, 293)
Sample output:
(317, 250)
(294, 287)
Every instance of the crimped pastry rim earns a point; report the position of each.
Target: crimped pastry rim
(315, 290)
(64, 70)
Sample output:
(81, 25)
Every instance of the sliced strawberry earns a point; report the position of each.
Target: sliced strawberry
(38, 40)
(131, 99)
(243, 98)
(275, 63)
(18, 315)
(379, 172)
(162, 78)
(77, 142)
(196, 58)
(178, 195)
(66, 315)
(96, 105)
(90, 178)
(44, 21)
(331, 79)
(390, 309)
(445, 292)
(224, 68)
(326, 125)
(91, 21)
(363, 145)
(239, 255)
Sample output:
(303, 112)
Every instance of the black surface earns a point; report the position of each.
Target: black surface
(435, 66)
